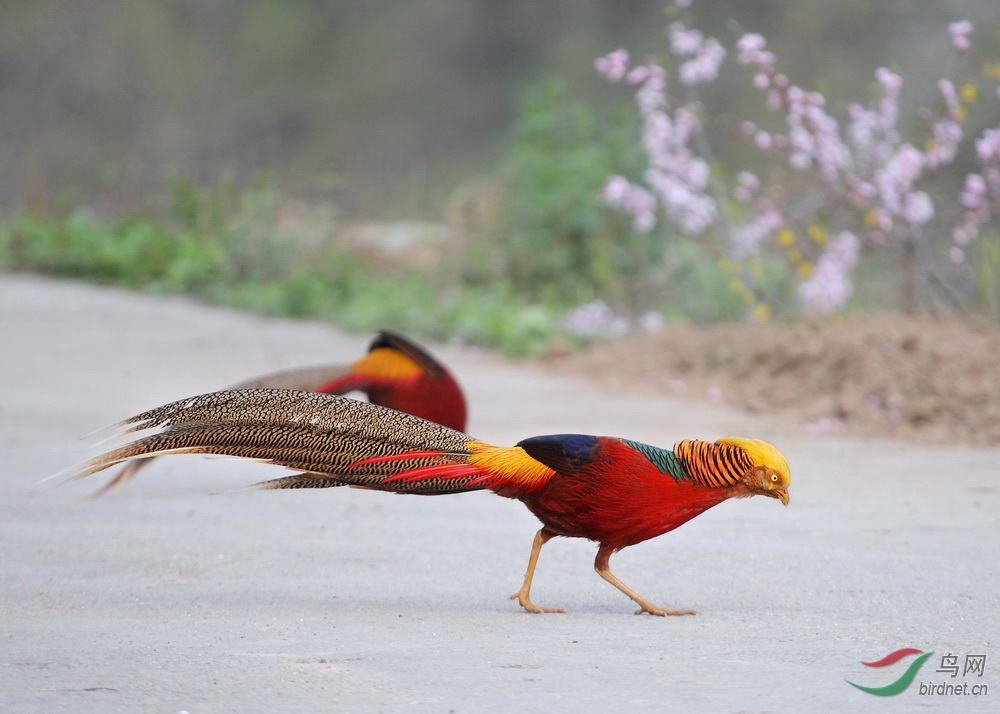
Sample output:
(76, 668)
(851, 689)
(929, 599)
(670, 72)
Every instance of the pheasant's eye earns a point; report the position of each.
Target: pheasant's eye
(774, 478)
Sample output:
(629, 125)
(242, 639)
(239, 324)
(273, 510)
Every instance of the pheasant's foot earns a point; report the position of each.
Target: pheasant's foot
(660, 611)
(532, 607)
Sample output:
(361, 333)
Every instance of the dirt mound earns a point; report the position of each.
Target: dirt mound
(887, 375)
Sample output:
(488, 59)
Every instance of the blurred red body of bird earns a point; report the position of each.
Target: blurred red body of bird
(396, 372)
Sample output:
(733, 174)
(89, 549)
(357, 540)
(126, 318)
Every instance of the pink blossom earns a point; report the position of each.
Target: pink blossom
(621, 193)
(704, 67)
(683, 42)
(615, 190)
(896, 177)
(859, 190)
(750, 46)
(612, 66)
(742, 194)
(637, 75)
(825, 425)
(774, 102)
(651, 96)
(748, 180)
(750, 51)
(751, 42)
(988, 145)
(890, 81)
(747, 185)
(980, 195)
(973, 197)
(676, 386)
(918, 209)
(814, 136)
(746, 239)
(595, 319)
(947, 136)
(677, 178)
(869, 172)
(905, 165)
(706, 54)
(883, 219)
(829, 287)
(799, 161)
(960, 235)
(650, 323)
(960, 32)
(949, 95)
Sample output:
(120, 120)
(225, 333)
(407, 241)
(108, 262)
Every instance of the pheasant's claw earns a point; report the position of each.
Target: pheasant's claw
(532, 607)
(661, 611)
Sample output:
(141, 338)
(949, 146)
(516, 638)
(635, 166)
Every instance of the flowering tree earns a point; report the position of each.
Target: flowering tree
(863, 183)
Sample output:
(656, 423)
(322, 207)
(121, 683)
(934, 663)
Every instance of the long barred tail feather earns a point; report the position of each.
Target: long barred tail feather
(329, 440)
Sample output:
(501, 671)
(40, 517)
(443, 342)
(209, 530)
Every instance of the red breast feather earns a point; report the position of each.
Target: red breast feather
(618, 497)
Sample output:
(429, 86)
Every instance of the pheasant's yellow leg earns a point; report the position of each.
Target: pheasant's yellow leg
(601, 566)
(523, 595)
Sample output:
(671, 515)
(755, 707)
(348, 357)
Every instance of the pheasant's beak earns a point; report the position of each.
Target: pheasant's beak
(782, 496)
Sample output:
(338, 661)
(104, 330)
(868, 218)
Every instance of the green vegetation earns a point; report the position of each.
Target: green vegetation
(230, 249)
(555, 248)
(557, 241)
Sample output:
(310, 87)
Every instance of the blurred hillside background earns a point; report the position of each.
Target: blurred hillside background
(383, 108)
(181, 145)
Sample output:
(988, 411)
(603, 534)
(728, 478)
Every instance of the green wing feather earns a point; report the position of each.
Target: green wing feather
(663, 459)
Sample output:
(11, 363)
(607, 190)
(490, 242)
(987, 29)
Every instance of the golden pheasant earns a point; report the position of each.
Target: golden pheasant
(396, 372)
(610, 490)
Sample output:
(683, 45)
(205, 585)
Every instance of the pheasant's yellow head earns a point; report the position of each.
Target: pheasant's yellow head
(770, 475)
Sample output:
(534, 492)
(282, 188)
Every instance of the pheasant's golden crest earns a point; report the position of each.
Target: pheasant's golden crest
(770, 475)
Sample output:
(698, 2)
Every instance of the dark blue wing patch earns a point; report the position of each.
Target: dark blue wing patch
(568, 454)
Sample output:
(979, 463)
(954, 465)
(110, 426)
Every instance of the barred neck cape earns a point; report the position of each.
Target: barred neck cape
(705, 462)
(711, 463)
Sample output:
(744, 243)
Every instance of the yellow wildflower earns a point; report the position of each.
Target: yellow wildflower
(727, 265)
(817, 234)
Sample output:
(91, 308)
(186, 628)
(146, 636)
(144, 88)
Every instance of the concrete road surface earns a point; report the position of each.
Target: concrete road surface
(166, 598)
